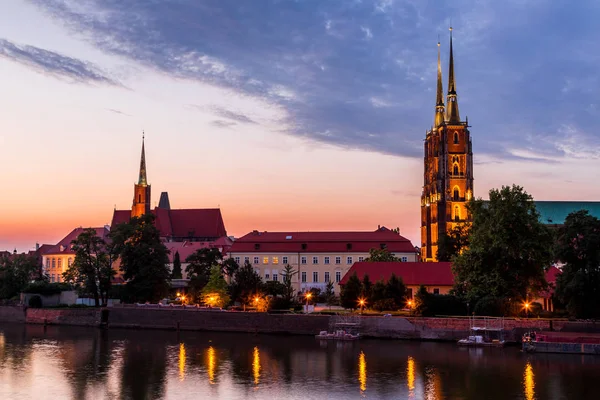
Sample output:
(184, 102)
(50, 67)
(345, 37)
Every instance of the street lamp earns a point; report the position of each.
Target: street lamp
(409, 303)
(527, 309)
(361, 302)
(308, 296)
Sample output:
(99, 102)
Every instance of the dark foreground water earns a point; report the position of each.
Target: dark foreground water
(78, 363)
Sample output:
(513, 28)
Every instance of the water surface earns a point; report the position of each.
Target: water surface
(80, 363)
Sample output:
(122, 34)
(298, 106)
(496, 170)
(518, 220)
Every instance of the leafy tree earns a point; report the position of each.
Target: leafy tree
(509, 249)
(16, 272)
(229, 266)
(288, 274)
(215, 293)
(274, 288)
(396, 290)
(421, 301)
(453, 243)
(367, 288)
(201, 262)
(381, 255)
(176, 273)
(92, 267)
(578, 247)
(379, 291)
(351, 292)
(246, 285)
(144, 258)
(329, 294)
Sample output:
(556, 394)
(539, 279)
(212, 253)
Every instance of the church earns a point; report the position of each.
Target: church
(448, 167)
(186, 228)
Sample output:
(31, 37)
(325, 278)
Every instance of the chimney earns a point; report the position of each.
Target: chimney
(37, 246)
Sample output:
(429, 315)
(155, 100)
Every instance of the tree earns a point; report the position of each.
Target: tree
(381, 255)
(509, 249)
(452, 243)
(329, 294)
(395, 290)
(176, 273)
(379, 291)
(288, 274)
(578, 247)
(367, 287)
(215, 293)
(351, 292)
(92, 267)
(144, 259)
(16, 271)
(246, 285)
(201, 261)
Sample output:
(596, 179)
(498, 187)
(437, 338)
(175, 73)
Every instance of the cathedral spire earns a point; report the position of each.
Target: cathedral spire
(439, 99)
(452, 115)
(142, 180)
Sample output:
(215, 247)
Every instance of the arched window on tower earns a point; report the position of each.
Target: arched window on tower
(455, 137)
(455, 169)
(456, 194)
(456, 213)
(139, 198)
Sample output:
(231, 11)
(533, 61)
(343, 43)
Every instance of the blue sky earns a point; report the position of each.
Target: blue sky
(303, 82)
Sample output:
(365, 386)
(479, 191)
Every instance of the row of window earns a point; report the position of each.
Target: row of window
(54, 278)
(303, 275)
(53, 262)
(303, 260)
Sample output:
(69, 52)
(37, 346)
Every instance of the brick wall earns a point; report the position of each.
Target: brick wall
(12, 314)
(80, 317)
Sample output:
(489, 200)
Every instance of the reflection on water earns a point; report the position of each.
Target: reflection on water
(529, 383)
(256, 365)
(362, 371)
(80, 363)
(211, 361)
(181, 361)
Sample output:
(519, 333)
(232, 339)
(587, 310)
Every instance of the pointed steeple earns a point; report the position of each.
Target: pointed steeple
(452, 115)
(142, 180)
(439, 98)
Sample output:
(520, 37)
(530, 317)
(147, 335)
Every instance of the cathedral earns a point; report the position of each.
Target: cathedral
(448, 162)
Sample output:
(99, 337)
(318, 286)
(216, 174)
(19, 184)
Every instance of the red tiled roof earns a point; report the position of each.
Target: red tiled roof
(314, 242)
(202, 222)
(64, 246)
(552, 273)
(44, 249)
(186, 248)
(412, 273)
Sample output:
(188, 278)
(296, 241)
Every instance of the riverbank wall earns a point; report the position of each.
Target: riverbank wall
(413, 328)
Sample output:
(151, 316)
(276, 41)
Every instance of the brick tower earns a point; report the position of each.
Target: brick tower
(141, 190)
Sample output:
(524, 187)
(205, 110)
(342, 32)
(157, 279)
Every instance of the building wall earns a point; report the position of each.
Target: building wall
(270, 264)
(441, 289)
(54, 265)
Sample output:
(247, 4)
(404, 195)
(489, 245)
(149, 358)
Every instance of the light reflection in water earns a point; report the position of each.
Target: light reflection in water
(529, 382)
(362, 372)
(433, 390)
(410, 374)
(181, 362)
(256, 365)
(210, 365)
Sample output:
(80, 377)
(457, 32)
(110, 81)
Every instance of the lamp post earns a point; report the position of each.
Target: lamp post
(361, 302)
(308, 296)
(527, 309)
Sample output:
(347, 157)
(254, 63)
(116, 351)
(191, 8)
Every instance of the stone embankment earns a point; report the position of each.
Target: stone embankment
(415, 328)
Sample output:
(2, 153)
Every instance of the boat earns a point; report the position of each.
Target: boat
(340, 334)
(561, 342)
(484, 332)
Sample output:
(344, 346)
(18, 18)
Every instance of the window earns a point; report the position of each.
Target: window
(139, 198)
(255, 260)
(436, 291)
(275, 260)
(409, 293)
(404, 259)
(70, 262)
(237, 260)
(326, 277)
(338, 260)
(284, 260)
(338, 276)
(456, 213)
(315, 276)
(303, 260)
(47, 263)
(246, 260)
(303, 276)
(267, 276)
(52, 278)
(455, 170)
(455, 137)
(54, 263)
(361, 259)
(57, 277)
(326, 260)
(315, 260)
(349, 260)
(59, 263)
(456, 194)
(275, 276)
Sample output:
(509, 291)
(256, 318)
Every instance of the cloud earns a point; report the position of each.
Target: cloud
(231, 115)
(55, 64)
(112, 110)
(222, 124)
(361, 74)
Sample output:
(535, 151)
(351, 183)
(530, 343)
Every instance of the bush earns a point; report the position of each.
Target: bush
(280, 303)
(428, 304)
(385, 305)
(44, 288)
(35, 302)
(489, 305)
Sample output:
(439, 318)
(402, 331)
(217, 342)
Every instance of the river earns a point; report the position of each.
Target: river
(79, 363)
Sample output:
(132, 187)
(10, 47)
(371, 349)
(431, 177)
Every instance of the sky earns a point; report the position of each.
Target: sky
(289, 115)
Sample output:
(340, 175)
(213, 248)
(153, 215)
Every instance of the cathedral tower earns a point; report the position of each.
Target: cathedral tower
(141, 190)
(448, 177)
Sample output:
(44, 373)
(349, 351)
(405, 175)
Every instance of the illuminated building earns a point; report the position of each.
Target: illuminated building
(448, 167)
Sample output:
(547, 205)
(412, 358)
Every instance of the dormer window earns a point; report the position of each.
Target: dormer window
(256, 246)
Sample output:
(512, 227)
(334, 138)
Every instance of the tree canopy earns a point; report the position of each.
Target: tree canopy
(509, 248)
(578, 247)
(176, 273)
(246, 285)
(215, 293)
(16, 271)
(381, 255)
(452, 243)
